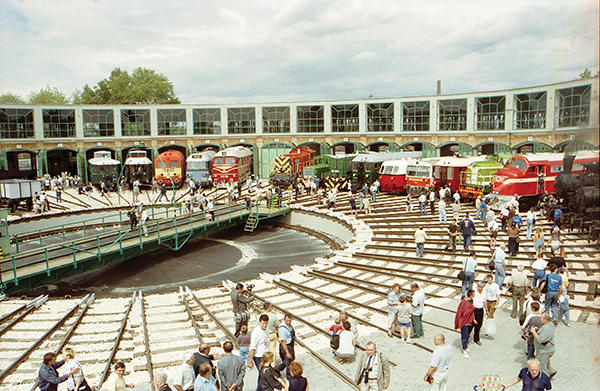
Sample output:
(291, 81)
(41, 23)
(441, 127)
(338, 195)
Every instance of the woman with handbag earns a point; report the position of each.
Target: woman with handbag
(77, 381)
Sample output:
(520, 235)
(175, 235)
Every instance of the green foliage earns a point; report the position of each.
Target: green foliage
(48, 95)
(9, 97)
(143, 86)
(586, 74)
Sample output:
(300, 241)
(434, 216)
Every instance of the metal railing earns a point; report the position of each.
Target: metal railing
(177, 225)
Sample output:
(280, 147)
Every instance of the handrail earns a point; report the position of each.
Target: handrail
(179, 220)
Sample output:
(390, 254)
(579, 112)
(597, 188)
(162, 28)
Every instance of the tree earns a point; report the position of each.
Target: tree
(143, 86)
(48, 95)
(9, 97)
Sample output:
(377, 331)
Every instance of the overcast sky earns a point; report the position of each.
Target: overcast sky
(263, 51)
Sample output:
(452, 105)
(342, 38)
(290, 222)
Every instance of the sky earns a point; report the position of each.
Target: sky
(298, 50)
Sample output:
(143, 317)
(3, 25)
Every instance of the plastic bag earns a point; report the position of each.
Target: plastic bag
(489, 327)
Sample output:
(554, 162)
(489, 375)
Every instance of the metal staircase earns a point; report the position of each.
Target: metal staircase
(251, 223)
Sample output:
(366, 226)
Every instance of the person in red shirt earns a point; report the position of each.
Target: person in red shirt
(464, 320)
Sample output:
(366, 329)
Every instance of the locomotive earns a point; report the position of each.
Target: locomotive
(290, 166)
(103, 168)
(169, 167)
(579, 197)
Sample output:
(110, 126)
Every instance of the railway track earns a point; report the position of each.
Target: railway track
(150, 331)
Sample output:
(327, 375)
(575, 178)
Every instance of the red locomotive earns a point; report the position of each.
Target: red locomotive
(232, 164)
(169, 167)
(530, 175)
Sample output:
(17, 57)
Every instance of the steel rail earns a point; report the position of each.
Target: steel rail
(451, 264)
(191, 316)
(34, 305)
(321, 303)
(146, 341)
(19, 309)
(113, 351)
(71, 331)
(13, 366)
(211, 315)
(394, 272)
(354, 281)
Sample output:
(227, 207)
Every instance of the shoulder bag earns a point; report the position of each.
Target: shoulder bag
(461, 274)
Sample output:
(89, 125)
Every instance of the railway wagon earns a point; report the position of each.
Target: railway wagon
(199, 167)
(232, 164)
(530, 175)
(392, 175)
(169, 168)
(419, 175)
(448, 171)
(477, 179)
(366, 166)
(138, 166)
(103, 168)
(13, 192)
(290, 166)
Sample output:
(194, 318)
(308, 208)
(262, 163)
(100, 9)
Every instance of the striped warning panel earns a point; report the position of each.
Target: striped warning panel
(283, 165)
(339, 183)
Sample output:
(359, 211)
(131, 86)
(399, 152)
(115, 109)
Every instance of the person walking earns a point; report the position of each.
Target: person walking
(530, 221)
(442, 211)
(367, 205)
(513, 239)
(163, 193)
(478, 311)
(270, 378)
(492, 293)
(144, 220)
(422, 203)
(538, 240)
(499, 257)
(409, 206)
(437, 374)
(533, 379)
(519, 291)
(418, 304)
(420, 237)
(432, 201)
(452, 234)
(467, 228)
(544, 344)
(553, 282)
(469, 264)
(456, 210)
(136, 193)
(393, 301)
(483, 208)
(48, 375)
(231, 369)
(373, 370)
(531, 321)
(464, 320)
(287, 338)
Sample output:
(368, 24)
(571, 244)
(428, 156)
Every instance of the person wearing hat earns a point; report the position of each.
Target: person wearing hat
(518, 285)
(185, 375)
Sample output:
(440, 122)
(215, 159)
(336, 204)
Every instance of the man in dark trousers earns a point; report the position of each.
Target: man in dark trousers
(48, 376)
(467, 228)
(240, 301)
(163, 193)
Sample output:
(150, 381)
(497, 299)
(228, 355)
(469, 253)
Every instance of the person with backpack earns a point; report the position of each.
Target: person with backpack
(287, 337)
(347, 344)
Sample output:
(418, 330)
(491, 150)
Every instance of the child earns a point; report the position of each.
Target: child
(244, 341)
(404, 311)
(563, 302)
(336, 327)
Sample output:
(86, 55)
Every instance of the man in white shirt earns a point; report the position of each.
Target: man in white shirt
(492, 292)
(143, 220)
(420, 237)
(185, 375)
(422, 202)
(432, 201)
(271, 327)
(259, 345)
(478, 303)
(500, 264)
(469, 264)
(440, 359)
(418, 303)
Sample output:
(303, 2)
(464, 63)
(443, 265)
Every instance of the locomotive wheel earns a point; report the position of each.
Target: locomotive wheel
(12, 205)
(29, 204)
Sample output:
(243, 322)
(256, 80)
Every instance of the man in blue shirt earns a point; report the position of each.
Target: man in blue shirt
(554, 281)
(205, 380)
(533, 379)
(287, 337)
(467, 228)
(48, 376)
(557, 216)
(483, 207)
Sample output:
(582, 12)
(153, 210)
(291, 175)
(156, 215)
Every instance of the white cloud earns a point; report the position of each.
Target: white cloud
(299, 49)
